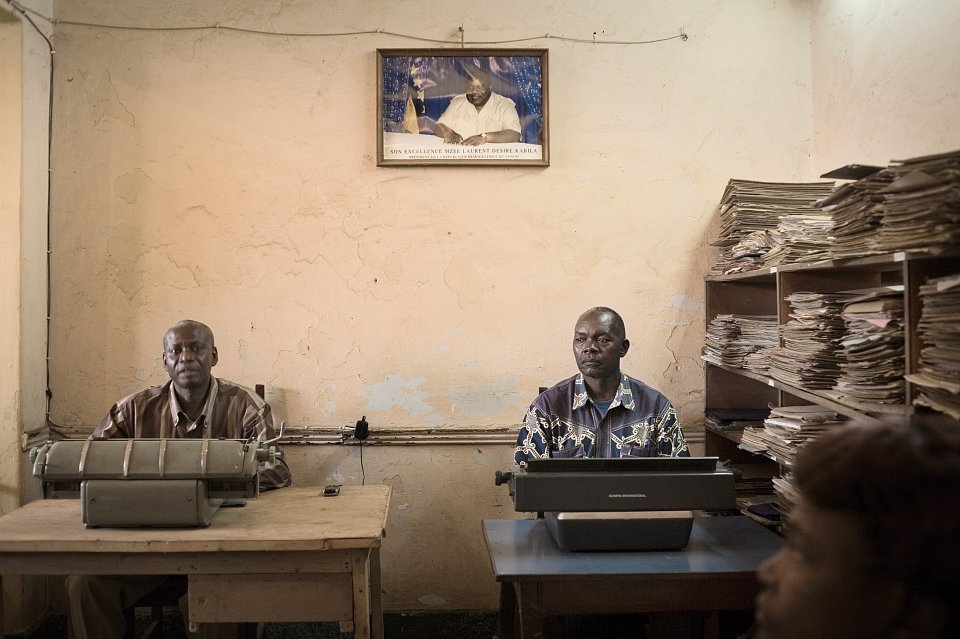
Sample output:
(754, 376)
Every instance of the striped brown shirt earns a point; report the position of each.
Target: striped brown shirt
(231, 411)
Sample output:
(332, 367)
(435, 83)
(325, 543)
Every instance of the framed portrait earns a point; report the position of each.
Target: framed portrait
(462, 107)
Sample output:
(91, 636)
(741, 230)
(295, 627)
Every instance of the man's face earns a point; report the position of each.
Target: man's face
(478, 92)
(188, 356)
(822, 583)
(598, 346)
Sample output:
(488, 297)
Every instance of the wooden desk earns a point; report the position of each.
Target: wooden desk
(716, 571)
(289, 555)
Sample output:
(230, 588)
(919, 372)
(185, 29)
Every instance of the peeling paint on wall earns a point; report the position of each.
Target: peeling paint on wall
(397, 393)
(487, 399)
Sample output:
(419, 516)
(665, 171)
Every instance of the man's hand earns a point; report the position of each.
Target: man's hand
(475, 140)
(449, 135)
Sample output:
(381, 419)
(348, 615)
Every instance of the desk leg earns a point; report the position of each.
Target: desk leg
(506, 624)
(711, 624)
(2, 634)
(530, 606)
(376, 595)
(361, 594)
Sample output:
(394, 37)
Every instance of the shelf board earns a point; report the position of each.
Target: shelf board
(736, 436)
(866, 261)
(857, 410)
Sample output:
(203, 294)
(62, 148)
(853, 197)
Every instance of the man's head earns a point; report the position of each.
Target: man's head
(188, 355)
(872, 542)
(478, 87)
(599, 343)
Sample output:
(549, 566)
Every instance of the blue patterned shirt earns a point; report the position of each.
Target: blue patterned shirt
(564, 422)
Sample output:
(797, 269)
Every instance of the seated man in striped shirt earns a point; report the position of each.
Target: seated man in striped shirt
(192, 404)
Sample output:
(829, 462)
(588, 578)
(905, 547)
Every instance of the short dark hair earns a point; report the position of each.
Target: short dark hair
(616, 321)
(192, 324)
(901, 480)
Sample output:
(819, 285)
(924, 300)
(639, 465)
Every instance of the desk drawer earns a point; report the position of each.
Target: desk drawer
(283, 597)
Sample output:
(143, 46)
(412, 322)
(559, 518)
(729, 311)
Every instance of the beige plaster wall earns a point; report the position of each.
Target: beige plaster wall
(885, 80)
(24, 98)
(231, 178)
(11, 108)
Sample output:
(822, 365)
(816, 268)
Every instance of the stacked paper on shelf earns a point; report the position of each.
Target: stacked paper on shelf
(857, 215)
(808, 357)
(873, 354)
(789, 428)
(912, 204)
(921, 207)
(784, 433)
(730, 339)
(938, 377)
(751, 211)
(801, 238)
(786, 493)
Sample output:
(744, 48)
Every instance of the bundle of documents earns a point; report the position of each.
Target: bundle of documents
(751, 210)
(872, 365)
(808, 357)
(921, 207)
(801, 238)
(912, 204)
(730, 339)
(938, 377)
(734, 419)
(857, 214)
(760, 509)
(788, 429)
(786, 493)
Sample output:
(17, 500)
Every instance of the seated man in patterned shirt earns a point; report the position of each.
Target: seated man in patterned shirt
(193, 404)
(601, 412)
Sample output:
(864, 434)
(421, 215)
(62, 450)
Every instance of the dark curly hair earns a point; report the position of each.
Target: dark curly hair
(901, 479)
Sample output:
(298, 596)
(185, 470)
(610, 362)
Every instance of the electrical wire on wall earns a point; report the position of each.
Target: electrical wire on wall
(48, 394)
(461, 41)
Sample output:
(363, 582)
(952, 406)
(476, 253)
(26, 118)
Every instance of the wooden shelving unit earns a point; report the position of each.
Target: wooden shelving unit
(762, 292)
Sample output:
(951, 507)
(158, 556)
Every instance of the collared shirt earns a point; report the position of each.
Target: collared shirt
(231, 411)
(183, 423)
(498, 114)
(564, 422)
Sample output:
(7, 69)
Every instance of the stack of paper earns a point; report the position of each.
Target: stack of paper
(730, 339)
(857, 215)
(786, 493)
(784, 434)
(802, 238)
(733, 420)
(750, 211)
(921, 208)
(912, 204)
(809, 357)
(872, 365)
(938, 378)
(789, 428)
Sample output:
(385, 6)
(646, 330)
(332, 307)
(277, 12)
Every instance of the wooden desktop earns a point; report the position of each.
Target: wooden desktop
(288, 555)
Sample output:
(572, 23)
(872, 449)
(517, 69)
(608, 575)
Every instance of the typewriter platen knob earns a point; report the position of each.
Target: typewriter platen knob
(502, 477)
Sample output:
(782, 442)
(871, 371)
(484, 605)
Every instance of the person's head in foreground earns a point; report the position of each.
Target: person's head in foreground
(873, 543)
